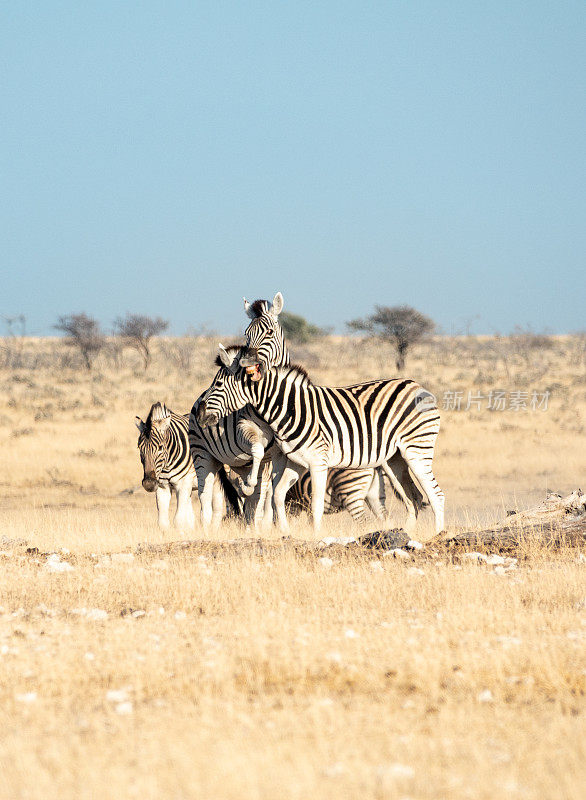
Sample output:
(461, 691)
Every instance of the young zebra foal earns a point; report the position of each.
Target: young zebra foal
(319, 427)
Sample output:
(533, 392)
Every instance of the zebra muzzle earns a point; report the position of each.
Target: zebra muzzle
(149, 483)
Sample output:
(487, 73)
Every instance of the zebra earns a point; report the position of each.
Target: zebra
(244, 443)
(318, 427)
(345, 489)
(267, 348)
(264, 336)
(163, 446)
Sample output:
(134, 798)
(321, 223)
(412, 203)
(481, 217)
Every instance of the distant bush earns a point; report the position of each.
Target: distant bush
(401, 325)
(298, 329)
(84, 333)
(137, 330)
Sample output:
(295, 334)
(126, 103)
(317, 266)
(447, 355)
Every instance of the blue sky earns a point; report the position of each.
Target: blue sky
(168, 158)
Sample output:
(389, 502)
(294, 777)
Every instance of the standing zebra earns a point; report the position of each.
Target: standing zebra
(318, 427)
(244, 443)
(163, 446)
(267, 348)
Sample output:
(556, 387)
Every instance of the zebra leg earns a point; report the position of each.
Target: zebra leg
(398, 474)
(218, 503)
(376, 495)
(163, 498)
(206, 475)
(285, 473)
(263, 515)
(422, 470)
(184, 517)
(319, 479)
(253, 437)
(268, 504)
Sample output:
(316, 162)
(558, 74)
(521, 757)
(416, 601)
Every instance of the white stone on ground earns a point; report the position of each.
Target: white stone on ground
(397, 552)
(117, 695)
(54, 564)
(478, 558)
(26, 697)
(413, 544)
(122, 558)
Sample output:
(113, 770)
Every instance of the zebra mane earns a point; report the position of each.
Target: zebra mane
(298, 369)
(259, 307)
(158, 412)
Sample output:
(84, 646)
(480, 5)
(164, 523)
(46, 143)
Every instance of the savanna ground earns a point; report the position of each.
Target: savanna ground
(173, 675)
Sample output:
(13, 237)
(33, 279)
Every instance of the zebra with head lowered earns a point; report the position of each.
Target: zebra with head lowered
(350, 489)
(244, 443)
(318, 427)
(163, 446)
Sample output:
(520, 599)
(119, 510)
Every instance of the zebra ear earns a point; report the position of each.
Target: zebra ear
(139, 424)
(277, 305)
(224, 357)
(248, 309)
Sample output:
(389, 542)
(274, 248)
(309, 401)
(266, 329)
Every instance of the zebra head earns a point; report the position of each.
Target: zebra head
(228, 391)
(264, 337)
(153, 444)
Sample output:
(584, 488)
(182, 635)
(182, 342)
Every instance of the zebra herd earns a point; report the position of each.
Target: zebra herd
(263, 440)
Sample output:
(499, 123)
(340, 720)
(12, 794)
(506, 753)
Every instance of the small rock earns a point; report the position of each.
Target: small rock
(376, 566)
(396, 771)
(138, 613)
(412, 544)
(485, 696)
(54, 564)
(117, 695)
(327, 541)
(478, 558)
(96, 614)
(180, 615)
(397, 552)
(124, 708)
(351, 634)
(326, 562)
(494, 560)
(122, 558)
(499, 570)
(26, 697)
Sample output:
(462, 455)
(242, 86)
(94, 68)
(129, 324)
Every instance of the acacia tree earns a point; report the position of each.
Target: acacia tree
(84, 333)
(137, 330)
(401, 325)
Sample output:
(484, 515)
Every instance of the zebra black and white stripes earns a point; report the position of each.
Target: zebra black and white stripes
(163, 445)
(266, 347)
(264, 336)
(318, 427)
(164, 452)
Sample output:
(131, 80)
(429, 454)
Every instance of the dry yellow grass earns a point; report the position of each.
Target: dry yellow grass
(280, 676)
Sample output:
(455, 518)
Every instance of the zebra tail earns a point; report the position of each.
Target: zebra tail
(232, 497)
